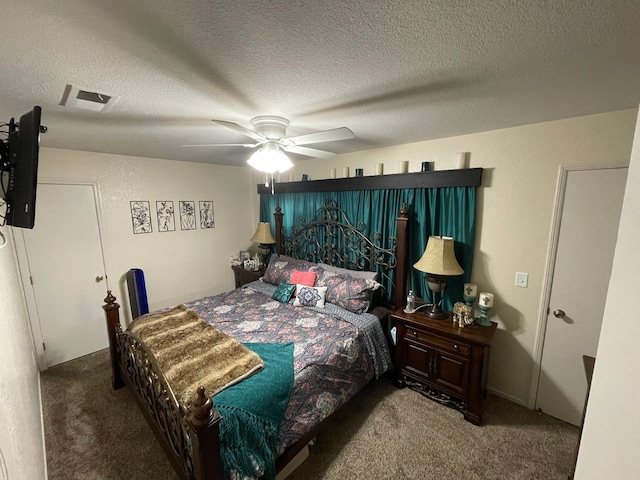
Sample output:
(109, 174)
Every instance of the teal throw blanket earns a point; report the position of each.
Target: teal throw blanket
(252, 411)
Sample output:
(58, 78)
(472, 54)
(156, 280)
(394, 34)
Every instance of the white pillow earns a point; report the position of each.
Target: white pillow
(309, 296)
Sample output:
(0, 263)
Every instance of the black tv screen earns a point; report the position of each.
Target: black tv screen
(20, 167)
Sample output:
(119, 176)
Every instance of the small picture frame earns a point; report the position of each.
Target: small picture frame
(244, 255)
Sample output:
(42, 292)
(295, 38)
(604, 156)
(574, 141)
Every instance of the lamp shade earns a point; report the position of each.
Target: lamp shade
(270, 159)
(439, 258)
(263, 234)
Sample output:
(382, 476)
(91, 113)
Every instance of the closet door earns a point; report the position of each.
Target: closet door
(584, 257)
(67, 274)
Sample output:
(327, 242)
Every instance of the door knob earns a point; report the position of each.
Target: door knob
(558, 313)
(99, 278)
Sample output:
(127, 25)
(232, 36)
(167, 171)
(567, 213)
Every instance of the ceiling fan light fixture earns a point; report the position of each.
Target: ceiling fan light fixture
(270, 159)
(270, 132)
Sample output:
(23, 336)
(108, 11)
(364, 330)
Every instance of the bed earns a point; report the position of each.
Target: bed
(327, 349)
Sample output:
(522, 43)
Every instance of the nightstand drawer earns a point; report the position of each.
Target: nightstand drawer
(458, 348)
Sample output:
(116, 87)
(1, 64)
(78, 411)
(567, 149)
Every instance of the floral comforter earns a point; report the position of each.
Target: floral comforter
(333, 358)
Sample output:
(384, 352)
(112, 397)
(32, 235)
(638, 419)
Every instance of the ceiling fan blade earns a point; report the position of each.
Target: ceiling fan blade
(309, 152)
(342, 133)
(247, 145)
(241, 129)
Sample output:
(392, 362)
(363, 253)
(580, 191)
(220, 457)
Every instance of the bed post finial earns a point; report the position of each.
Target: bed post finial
(279, 233)
(201, 409)
(111, 310)
(205, 421)
(404, 211)
(402, 253)
(109, 299)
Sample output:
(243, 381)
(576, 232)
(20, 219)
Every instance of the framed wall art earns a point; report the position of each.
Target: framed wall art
(141, 216)
(187, 215)
(166, 216)
(206, 214)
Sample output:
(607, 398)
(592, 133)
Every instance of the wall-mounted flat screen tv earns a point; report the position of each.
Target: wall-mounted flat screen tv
(20, 169)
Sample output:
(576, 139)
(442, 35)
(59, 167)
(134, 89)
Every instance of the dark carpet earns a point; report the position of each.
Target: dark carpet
(92, 432)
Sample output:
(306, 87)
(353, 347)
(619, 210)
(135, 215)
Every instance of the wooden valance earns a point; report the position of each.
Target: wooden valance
(468, 177)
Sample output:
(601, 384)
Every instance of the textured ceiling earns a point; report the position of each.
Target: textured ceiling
(392, 72)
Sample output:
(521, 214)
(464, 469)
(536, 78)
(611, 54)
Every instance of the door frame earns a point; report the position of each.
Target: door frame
(25, 270)
(547, 283)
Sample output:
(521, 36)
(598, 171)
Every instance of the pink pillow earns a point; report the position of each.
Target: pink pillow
(308, 279)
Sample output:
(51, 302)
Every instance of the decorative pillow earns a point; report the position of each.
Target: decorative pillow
(284, 292)
(279, 270)
(310, 296)
(353, 294)
(303, 278)
(353, 273)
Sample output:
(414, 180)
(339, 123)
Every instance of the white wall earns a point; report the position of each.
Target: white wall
(179, 265)
(21, 438)
(514, 214)
(611, 434)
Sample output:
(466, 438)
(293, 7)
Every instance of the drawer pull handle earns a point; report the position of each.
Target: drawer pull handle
(455, 346)
(415, 334)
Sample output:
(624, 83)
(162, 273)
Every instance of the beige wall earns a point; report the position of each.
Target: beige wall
(514, 222)
(21, 439)
(514, 214)
(612, 424)
(179, 265)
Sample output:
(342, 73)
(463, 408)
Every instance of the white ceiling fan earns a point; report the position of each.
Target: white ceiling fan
(270, 134)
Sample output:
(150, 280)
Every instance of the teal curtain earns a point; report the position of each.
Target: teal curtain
(449, 211)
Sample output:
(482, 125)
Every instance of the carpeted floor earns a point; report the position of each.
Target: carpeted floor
(95, 433)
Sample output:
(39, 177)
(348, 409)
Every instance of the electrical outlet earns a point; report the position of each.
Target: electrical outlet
(522, 279)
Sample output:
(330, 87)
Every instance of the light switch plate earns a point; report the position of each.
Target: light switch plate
(522, 279)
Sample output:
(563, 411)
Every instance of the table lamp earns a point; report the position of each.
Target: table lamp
(264, 239)
(438, 262)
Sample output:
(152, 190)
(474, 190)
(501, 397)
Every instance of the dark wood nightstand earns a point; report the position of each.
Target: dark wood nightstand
(243, 275)
(442, 361)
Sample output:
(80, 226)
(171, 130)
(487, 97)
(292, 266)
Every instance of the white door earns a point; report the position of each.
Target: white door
(65, 262)
(584, 256)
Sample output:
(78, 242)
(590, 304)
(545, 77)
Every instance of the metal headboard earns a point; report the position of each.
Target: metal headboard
(330, 237)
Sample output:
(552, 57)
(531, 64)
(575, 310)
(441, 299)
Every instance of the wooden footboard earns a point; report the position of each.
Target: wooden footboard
(190, 439)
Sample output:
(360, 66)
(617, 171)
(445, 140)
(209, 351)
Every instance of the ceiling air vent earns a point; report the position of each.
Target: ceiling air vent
(85, 99)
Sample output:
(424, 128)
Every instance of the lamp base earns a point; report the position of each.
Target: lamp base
(265, 252)
(436, 284)
(435, 312)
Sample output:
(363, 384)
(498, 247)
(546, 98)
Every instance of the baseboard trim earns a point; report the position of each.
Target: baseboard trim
(506, 396)
(44, 444)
